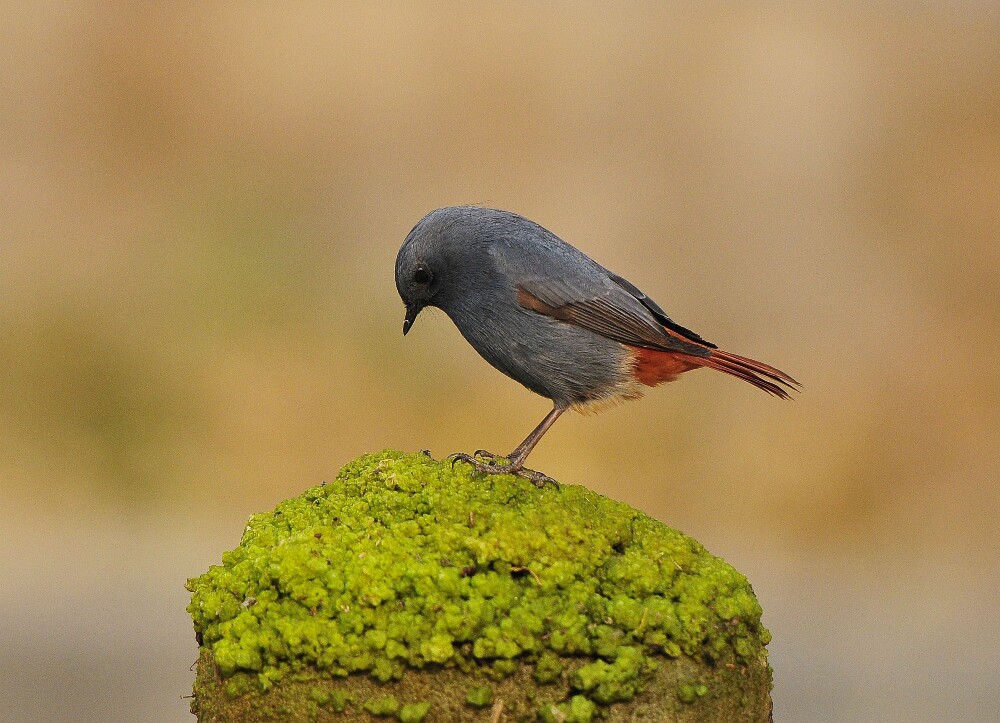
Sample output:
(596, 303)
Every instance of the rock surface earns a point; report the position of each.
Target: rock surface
(412, 590)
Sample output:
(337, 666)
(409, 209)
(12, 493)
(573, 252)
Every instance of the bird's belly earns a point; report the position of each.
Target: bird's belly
(568, 364)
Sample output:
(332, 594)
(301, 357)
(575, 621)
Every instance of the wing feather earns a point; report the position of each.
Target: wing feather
(659, 313)
(612, 311)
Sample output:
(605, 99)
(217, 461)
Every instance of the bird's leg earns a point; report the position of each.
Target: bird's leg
(515, 463)
(520, 454)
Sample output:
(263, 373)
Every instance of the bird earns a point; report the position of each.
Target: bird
(551, 318)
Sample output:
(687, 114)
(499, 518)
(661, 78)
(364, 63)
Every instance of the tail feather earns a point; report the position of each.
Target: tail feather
(761, 375)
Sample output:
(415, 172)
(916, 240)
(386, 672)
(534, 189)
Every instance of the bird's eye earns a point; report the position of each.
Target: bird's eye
(422, 275)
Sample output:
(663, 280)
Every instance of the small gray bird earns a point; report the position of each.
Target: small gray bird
(548, 316)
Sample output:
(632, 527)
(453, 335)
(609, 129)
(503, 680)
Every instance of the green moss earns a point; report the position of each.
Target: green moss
(548, 668)
(385, 705)
(339, 700)
(480, 696)
(406, 563)
(578, 709)
(612, 682)
(689, 693)
(414, 712)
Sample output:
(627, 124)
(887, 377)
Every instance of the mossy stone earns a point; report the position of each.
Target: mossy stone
(415, 581)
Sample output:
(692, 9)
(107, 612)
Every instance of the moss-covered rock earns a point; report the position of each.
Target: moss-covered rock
(413, 590)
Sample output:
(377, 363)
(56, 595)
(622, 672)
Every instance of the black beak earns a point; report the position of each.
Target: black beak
(411, 316)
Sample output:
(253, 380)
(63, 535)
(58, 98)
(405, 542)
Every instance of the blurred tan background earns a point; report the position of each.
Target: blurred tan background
(200, 206)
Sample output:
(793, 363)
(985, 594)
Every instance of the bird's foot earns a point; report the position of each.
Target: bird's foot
(489, 463)
(539, 479)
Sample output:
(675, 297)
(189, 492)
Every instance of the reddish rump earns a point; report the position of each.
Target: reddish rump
(652, 367)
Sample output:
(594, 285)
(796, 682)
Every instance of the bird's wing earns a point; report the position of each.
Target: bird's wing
(660, 314)
(612, 307)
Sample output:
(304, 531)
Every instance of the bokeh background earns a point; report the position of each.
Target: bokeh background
(200, 206)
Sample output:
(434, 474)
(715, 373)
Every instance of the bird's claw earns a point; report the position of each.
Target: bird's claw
(483, 461)
(539, 479)
(493, 465)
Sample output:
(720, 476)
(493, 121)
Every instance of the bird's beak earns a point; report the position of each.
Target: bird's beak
(411, 316)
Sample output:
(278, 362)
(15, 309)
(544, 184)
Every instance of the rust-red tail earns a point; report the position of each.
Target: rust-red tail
(653, 366)
(761, 375)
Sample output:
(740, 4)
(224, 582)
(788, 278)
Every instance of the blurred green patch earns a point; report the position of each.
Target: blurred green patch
(95, 399)
(241, 264)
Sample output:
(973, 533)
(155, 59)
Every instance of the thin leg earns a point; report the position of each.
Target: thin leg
(517, 457)
(520, 454)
